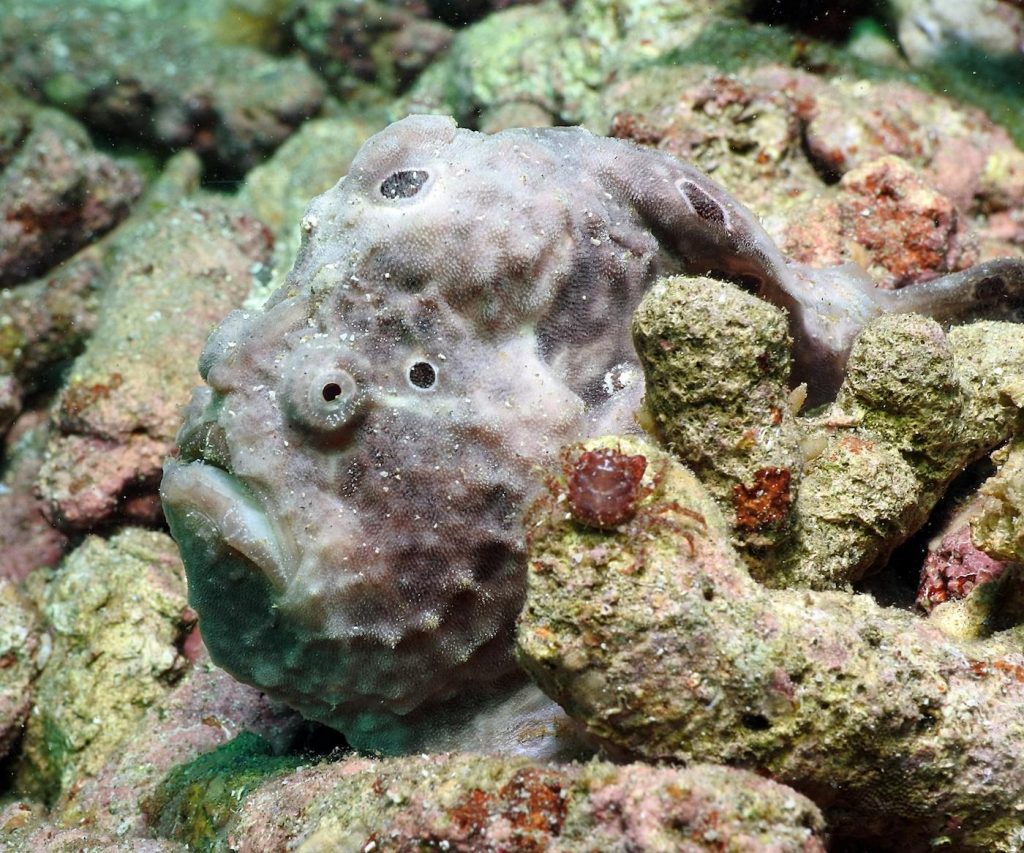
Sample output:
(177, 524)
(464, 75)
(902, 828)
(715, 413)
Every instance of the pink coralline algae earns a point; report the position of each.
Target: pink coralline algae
(954, 568)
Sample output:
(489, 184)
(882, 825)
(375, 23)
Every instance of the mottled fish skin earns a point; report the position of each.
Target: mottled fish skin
(359, 557)
(348, 491)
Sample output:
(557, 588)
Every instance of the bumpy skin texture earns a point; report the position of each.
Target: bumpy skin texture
(348, 489)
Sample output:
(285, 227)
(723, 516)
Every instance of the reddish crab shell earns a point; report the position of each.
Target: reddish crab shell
(604, 487)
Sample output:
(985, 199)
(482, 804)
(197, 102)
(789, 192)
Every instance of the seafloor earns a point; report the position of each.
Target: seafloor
(800, 626)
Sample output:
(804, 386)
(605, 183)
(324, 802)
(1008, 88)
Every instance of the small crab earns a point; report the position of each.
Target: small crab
(604, 490)
(604, 486)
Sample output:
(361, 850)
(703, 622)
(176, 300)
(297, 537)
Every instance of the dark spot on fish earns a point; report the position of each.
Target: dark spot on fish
(422, 375)
(489, 559)
(747, 283)
(703, 204)
(990, 289)
(404, 184)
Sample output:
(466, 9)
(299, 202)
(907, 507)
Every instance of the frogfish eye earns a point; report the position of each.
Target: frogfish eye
(318, 390)
(403, 184)
(422, 375)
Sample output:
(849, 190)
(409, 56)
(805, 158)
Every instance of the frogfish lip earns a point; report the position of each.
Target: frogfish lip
(202, 500)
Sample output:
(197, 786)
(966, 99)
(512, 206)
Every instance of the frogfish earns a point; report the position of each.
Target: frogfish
(349, 483)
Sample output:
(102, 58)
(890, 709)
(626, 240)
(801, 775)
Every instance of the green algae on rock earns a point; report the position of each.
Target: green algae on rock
(144, 70)
(531, 58)
(989, 358)
(550, 62)
(920, 405)
(202, 712)
(716, 361)
(115, 611)
(198, 799)
(874, 712)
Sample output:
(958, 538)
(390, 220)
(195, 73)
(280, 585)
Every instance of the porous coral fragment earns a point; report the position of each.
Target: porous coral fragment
(999, 527)
(716, 390)
(493, 803)
(916, 406)
(691, 660)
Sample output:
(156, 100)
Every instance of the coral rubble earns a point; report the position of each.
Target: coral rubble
(140, 71)
(489, 803)
(895, 729)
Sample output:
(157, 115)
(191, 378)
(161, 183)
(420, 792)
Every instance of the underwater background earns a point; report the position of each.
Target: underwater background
(813, 643)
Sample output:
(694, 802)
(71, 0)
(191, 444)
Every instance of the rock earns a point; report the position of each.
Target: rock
(485, 803)
(145, 72)
(10, 402)
(715, 391)
(745, 131)
(999, 528)
(526, 54)
(25, 827)
(853, 122)
(23, 652)
(655, 638)
(57, 193)
(967, 592)
(117, 415)
(550, 62)
(27, 540)
(353, 43)
(115, 612)
(206, 710)
(929, 30)
(821, 501)
(954, 567)
(47, 321)
(888, 219)
(777, 136)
